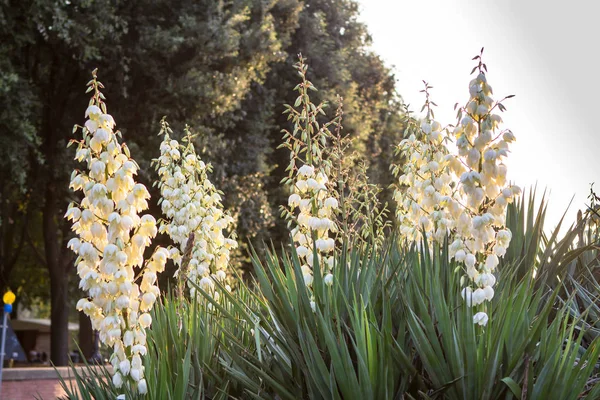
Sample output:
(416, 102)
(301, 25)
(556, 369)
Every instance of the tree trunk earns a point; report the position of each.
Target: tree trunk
(59, 330)
(86, 336)
(59, 316)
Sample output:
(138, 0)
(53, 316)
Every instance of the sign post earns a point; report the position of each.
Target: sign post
(9, 299)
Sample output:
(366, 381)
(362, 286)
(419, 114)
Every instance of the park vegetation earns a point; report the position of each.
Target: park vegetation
(461, 295)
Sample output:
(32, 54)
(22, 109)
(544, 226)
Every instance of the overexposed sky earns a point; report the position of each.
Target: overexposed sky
(544, 52)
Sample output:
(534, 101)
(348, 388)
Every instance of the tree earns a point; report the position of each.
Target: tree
(37, 39)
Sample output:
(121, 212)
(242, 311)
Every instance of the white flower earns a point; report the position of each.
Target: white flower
(322, 179)
(306, 171)
(312, 184)
(301, 185)
(329, 245)
(467, 294)
(101, 135)
(125, 367)
(491, 262)
(74, 244)
(145, 320)
(207, 284)
(480, 318)
(425, 127)
(93, 111)
(136, 374)
(328, 280)
(331, 202)
(221, 275)
(140, 349)
(128, 339)
(294, 200)
(478, 296)
(488, 293)
(470, 260)
(487, 279)
(123, 302)
(308, 279)
(142, 386)
(330, 262)
(302, 251)
(314, 223)
(500, 251)
(321, 244)
(148, 300)
(508, 137)
(117, 380)
(73, 214)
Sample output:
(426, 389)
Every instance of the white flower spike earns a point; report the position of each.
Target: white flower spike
(112, 239)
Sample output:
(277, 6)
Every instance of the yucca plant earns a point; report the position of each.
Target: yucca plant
(404, 303)
(183, 360)
(392, 325)
(92, 382)
(184, 349)
(533, 338)
(528, 345)
(340, 341)
(569, 264)
(582, 283)
(551, 254)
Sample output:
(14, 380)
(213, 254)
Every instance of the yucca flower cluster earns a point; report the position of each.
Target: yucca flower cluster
(312, 205)
(192, 204)
(112, 239)
(314, 221)
(462, 196)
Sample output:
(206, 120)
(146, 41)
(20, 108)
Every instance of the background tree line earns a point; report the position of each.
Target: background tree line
(223, 67)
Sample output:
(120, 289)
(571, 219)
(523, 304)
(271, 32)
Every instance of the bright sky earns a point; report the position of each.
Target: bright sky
(544, 52)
